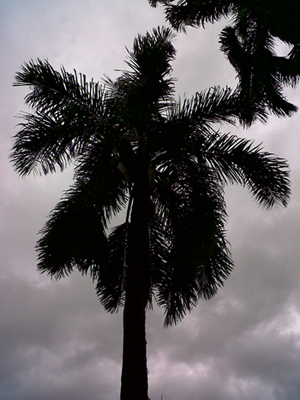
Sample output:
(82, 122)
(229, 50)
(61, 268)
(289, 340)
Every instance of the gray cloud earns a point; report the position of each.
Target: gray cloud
(55, 339)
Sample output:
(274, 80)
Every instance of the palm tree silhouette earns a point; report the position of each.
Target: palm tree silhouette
(162, 161)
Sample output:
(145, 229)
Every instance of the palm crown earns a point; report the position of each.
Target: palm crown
(132, 143)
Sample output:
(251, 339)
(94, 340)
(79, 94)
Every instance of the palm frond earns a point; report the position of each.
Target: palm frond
(191, 248)
(112, 276)
(261, 73)
(145, 89)
(46, 142)
(194, 13)
(152, 53)
(52, 90)
(215, 105)
(248, 42)
(75, 233)
(98, 170)
(69, 112)
(74, 236)
(237, 160)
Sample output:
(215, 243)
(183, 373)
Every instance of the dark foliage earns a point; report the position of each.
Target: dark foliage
(249, 44)
(107, 130)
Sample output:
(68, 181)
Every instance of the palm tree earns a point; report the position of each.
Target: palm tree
(137, 149)
(249, 44)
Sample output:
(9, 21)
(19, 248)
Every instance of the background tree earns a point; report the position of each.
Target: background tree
(161, 161)
(249, 43)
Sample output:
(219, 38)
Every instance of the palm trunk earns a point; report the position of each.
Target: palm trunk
(134, 381)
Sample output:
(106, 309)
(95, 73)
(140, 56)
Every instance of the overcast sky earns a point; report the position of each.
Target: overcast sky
(56, 340)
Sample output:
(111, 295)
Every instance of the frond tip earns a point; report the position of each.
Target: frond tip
(67, 113)
(237, 160)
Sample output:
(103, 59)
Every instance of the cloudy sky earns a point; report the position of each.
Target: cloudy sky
(56, 340)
